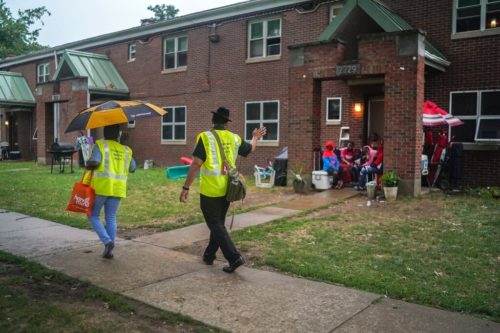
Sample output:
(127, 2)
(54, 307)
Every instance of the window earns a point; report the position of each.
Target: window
(333, 110)
(131, 124)
(131, 52)
(173, 124)
(476, 15)
(480, 112)
(43, 72)
(264, 39)
(265, 113)
(175, 53)
(335, 11)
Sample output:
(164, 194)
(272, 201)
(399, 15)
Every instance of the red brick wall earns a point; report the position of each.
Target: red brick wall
(72, 98)
(474, 66)
(217, 74)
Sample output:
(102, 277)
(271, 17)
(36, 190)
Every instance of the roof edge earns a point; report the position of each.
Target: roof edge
(214, 14)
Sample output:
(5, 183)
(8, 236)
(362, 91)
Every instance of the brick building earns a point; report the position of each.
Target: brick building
(308, 70)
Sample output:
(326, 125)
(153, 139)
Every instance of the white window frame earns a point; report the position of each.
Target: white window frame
(131, 124)
(45, 76)
(473, 33)
(333, 121)
(173, 124)
(478, 117)
(265, 23)
(132, 52)
(261, 121)
(176, 53)
(332, 9)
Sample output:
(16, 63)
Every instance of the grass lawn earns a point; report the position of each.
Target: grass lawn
(439, 251)
(36, 299)
(152, 199)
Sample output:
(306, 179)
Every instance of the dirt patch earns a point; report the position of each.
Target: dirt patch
(131, 233)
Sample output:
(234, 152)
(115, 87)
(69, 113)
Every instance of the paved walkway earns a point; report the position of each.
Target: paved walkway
(149, 269)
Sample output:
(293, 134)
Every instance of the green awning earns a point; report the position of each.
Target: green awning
(388, 20)
(103, 78)
(14, 90)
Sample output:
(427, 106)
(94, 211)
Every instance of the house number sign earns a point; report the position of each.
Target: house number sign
(347, 70)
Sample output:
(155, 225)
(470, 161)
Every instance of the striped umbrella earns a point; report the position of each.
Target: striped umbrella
(113, 112)
(435, 116)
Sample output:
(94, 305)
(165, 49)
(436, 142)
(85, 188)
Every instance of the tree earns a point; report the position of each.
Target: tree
(16, 38)
(163, 12)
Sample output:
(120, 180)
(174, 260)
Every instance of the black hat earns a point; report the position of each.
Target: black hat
(222, 112)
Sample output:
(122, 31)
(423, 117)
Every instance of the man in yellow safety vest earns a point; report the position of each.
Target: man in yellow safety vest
(213, 183)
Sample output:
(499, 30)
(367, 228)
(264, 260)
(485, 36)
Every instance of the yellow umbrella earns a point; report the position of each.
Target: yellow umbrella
(113, 112)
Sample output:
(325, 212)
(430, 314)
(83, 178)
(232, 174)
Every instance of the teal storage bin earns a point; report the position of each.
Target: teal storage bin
(176, 172)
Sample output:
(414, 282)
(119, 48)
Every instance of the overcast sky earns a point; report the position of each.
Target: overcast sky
(73, 20)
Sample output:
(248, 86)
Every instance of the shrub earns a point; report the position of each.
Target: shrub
(390, 179)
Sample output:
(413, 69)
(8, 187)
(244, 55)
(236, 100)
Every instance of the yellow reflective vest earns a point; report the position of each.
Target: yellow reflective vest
(213, 180)
(110, 177)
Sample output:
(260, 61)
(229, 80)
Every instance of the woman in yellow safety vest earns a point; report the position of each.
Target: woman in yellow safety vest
(213, 183)
(111, 162)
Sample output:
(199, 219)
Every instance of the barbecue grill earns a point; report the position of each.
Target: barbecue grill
(61, 152)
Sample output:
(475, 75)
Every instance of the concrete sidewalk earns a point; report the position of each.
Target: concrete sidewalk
(250, 300)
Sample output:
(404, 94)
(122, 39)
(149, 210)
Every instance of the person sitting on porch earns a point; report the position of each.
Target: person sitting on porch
(375, 140)
(371, 166)
(331, 165)
(347, 158)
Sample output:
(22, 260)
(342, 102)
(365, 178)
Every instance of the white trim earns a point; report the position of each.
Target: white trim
(482, 22)
(174, 123)
(175, 53)
(56, 118)
(265, 23)
(333, 121)
(174, 70)
(332, 8)
(45, 75)
(131, 46)
(261, 120)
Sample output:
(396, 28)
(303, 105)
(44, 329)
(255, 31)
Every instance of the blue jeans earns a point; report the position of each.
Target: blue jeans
(365, 171)
(106, 233)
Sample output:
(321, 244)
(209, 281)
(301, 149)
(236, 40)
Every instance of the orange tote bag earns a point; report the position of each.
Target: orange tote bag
(82, 197)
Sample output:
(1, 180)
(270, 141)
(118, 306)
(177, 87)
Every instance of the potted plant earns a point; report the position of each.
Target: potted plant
(299, 183)
(390, 182)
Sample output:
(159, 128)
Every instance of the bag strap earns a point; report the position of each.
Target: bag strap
(217, 138)
(91, 175)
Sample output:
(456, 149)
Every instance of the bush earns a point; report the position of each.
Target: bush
(390, 179)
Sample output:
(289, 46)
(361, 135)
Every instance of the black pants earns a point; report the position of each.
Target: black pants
(214, 211)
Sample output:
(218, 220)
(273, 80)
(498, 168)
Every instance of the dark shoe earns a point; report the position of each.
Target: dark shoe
(108, 250)
(232, 267)
(208, 260)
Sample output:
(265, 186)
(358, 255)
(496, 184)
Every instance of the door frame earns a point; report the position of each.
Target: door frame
(379, 98)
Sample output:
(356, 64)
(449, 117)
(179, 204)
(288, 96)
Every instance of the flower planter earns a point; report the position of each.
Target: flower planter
(299, 186)
(390, 193)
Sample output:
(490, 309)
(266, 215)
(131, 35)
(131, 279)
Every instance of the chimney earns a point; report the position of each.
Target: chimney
(147, 21)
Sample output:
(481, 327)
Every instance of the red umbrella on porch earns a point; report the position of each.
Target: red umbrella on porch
(435, 116)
